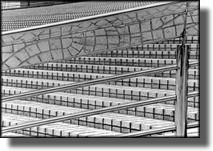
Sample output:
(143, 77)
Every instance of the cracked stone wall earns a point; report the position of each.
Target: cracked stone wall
(99, 34)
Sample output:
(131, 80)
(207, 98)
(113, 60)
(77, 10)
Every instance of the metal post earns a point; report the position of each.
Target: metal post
(181, 91)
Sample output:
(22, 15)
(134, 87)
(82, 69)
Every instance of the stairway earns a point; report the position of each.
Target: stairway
(100, 95)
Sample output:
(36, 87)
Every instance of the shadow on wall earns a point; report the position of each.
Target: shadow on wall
(204, 134)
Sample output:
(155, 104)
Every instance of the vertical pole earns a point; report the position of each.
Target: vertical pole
(181, 91)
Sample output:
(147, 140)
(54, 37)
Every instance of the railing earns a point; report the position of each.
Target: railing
(102, 110)
(92, 82)
(156, 131)
(180, 105)
(58, 39)
(92, 112)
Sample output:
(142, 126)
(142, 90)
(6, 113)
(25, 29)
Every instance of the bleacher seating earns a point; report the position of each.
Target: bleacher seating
(91, 67)
(101, 95)
(16, 19)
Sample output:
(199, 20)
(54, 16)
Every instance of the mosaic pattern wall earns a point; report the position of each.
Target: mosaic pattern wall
(97, 35)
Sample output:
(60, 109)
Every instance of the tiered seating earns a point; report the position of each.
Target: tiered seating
(13, 135)
(102, 95)
(97, 96)
(54, 130)
(16, 19)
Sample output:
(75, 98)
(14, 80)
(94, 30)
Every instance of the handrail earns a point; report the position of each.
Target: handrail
(91, 82)
(64, 42)
(86, 18)
(157, 131)
(93, 112)
(181, 96)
